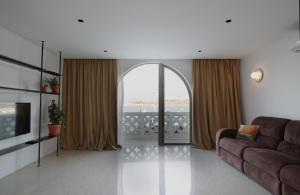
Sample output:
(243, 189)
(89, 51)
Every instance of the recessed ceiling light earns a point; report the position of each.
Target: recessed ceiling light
(105, 51)
(199, 51)
(80, 20)
(228, 21)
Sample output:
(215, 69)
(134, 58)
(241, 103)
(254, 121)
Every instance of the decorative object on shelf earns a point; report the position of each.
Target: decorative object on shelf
(44, 87)
(257, 75)
(56, 119)
(54, 84)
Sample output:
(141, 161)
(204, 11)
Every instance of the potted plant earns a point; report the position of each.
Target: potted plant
(54, 84)
(56, 118)
(45, 87)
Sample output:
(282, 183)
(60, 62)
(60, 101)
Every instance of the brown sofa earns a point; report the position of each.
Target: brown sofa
(273, 160)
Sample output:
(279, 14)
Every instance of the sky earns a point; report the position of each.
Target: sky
(141, 84)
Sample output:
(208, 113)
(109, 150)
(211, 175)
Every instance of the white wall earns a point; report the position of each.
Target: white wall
(279, 92)
(17, 47)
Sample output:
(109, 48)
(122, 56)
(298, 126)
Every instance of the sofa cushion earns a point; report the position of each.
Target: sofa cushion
(266, 180)
(232, 159)
(290, 149)
(248, 132)
(235, 146)
(292, 133)
(290, 175)
(267, 142)
(291, 143)
(225, 132)
(269, 161)
(271, 130)
(287, 190)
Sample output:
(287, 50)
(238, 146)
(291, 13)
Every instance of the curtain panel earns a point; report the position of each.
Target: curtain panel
(216, 99)
(90, 104)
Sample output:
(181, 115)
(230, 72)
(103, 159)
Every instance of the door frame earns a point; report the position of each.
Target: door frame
(161, 102)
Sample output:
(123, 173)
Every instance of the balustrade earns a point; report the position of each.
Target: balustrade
(144, 125)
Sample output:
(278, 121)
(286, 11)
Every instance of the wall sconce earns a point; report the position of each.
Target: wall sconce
(257, 75)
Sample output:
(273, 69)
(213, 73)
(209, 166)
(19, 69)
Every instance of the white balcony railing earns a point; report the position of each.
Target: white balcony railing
(144, 125)
(7, 125)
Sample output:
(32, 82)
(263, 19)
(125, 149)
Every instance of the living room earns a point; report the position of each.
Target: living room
(149, 97)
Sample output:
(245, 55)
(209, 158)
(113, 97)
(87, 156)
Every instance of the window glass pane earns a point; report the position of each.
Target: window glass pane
(177, 109)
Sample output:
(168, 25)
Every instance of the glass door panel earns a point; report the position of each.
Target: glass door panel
(176, 109)
(140, 107)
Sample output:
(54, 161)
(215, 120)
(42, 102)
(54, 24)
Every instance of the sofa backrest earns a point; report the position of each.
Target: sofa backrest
(291, 143)
(271, 131)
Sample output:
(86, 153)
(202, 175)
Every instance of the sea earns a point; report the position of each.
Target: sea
(155, 109)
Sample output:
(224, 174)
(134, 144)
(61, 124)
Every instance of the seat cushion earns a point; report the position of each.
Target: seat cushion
(288, 190)
(266, 180)
(269, 161)
(290, 175)
(235, 146)
(232, 159)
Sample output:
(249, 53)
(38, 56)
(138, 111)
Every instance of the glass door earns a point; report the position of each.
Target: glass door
(140, 107)
(156, 106)
(176, 109)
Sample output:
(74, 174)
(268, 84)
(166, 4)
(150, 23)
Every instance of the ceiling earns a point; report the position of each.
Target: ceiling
(151, 29)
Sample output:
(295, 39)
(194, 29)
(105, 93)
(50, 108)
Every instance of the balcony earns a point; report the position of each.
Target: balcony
(144, 126)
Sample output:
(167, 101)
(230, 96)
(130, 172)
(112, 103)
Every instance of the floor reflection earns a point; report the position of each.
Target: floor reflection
(153, 152)
(154, 170)
(134, 170)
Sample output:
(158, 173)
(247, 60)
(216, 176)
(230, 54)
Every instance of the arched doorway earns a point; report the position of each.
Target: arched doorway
(156, 106)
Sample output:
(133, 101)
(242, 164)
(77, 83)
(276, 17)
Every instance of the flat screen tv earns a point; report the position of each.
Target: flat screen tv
(14, 119)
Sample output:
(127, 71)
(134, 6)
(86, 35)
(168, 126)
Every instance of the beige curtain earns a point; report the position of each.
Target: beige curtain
(90, 104)
(216, 99)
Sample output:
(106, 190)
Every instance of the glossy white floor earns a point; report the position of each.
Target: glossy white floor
(135, 170)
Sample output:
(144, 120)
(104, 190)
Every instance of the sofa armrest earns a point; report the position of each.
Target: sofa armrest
(225, 132)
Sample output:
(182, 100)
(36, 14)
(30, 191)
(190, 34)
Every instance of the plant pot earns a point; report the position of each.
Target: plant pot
(55, 88)
(54, 130)
(45, 88)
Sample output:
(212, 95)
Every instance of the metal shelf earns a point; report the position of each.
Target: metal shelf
(27, 90)
(50, 93)
(51, 72)
(26, 65)
(19, 89)
(19, 63)
(41, 70)
(23, 145)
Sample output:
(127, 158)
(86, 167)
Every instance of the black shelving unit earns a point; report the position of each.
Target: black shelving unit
(27, 65)
(27, 90)
(42, 72)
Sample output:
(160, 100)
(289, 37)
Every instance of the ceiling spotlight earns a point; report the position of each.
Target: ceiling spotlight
(105, 51)
(228, 21)
(80, 20)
